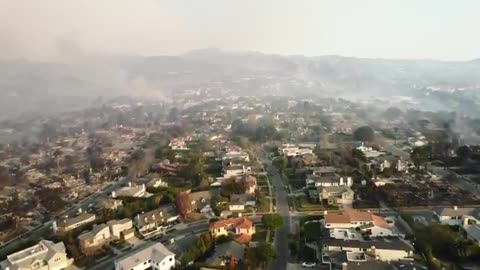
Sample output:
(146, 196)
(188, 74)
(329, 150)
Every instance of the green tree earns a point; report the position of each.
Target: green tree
(272, 221)
(264, 253)
(420, 156)
(281, 163)
(364, 134)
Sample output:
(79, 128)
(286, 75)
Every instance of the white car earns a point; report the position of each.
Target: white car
(309, 265)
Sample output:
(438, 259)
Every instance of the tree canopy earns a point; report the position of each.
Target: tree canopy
(364, 134)
(392, 113)
(272, 221)
(420, 156)
(264, 252)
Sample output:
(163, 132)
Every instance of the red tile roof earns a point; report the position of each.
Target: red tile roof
(355, 216)
(380, 222)
(243, 238)
(337, 218)
(358, 216)
(240, 222)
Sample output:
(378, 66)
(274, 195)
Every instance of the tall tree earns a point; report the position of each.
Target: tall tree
(420, 156)
(364, 134)
(272, 221)
(264, 253)
(183, 204)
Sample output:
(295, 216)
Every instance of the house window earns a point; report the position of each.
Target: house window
(170, 259)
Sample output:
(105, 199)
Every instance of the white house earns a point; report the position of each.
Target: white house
(369, 152)
(394, 249)
(136, 191)
(453, 216)
(233, 171)
(156, 257)
(293, 150)
(45, 255)
(373, 225)
(327, 180)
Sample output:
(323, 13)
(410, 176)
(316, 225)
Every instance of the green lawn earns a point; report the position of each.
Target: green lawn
(263, 205)
(260, 233)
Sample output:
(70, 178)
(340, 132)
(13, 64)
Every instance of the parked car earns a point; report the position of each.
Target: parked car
(309, 264)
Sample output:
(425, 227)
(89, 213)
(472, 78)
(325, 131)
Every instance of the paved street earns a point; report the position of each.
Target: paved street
(281, 241)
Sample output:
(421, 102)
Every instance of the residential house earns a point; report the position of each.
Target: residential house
(369, 152)
(471, 229)
(118, 227)
(155, 221)
(328, 180)
(226, 252)
(95, 239)
(371, 224)
(293, 150)
(201, 200)
(454, 216)
(242, 228)
(238, 155)
(250, 183)
(336, 195)
(236, 170)
(238, 202)
(155, 256)
(382, 249)
(68, 224)
(468, 219)
(45, 255)
(361, 261)
(108, 203)
(137, 191)
(179, 143)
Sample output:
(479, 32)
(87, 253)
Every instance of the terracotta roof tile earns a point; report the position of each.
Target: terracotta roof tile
(240, 222)
(243, 238)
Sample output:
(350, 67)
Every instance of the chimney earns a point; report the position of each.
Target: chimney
(143, 187)
(349, 181)
(79, 210)
(130, 184)
(325, 212)
(114, 195)
(344, 266)
(373, 249)
(465, 221)
(455, 208)
(341, 181)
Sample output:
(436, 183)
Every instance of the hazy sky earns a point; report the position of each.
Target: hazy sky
(54, 30)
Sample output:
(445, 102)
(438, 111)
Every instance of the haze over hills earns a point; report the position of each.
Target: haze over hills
(50, 87)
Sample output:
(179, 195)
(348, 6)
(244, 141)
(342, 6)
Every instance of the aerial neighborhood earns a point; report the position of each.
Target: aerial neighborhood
(239, 183)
